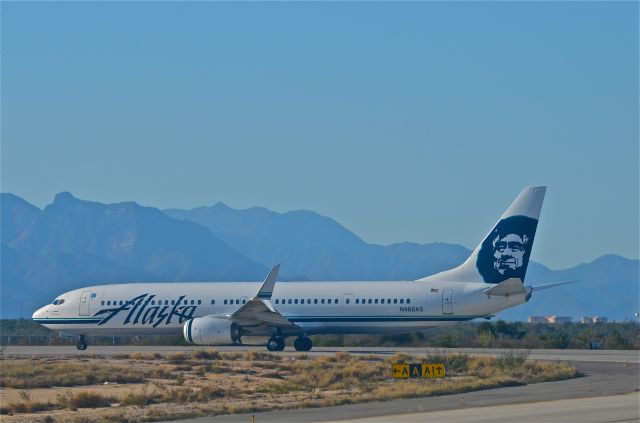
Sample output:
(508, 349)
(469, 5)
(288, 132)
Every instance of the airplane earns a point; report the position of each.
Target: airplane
(223, 313)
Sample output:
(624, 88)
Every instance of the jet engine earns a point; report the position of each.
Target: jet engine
(210, 330)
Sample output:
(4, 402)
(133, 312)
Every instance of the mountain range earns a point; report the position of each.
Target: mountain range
(72, 243)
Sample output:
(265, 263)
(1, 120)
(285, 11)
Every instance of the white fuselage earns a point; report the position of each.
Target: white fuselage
(315, 307)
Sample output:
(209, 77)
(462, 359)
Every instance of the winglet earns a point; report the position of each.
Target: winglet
(269, 283)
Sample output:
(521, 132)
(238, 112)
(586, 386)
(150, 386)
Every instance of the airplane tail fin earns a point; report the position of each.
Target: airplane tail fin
(504, 253)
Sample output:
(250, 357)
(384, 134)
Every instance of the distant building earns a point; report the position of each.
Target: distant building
(593, 319)
(552, 319)
(559, 319)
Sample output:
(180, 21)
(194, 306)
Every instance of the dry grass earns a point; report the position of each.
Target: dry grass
(21, 373)
(207, 382)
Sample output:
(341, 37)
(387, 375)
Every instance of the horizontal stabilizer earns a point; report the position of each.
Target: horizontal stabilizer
(511, 286)
(551, 285)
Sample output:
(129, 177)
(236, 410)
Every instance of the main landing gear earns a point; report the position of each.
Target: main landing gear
(82, 344)
(275, 343)
(302, 343)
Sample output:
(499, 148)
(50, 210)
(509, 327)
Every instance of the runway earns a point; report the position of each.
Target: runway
(609, 356)
(619, 408)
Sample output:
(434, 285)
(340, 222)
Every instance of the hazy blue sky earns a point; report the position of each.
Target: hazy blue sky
(404, 122)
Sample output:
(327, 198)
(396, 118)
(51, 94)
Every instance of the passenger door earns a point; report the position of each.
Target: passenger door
(85, 298)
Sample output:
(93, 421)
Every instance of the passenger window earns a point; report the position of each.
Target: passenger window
(244, 301)
(93, 295)
(408, 301)
(357, 301)
(120, 302)
(335, 301)
(213, 302)
(395, 301)
(322, 301)
(173, 302)
(289, 301)
(101, 302)
(225, 302)
(308, 300)
(375, 301)
(401, 301)
(315, 301)
(199, 302)
(109, 302)
(166, 302)
(369, 300)
(347, 301)
(295, 301)
(277, 301)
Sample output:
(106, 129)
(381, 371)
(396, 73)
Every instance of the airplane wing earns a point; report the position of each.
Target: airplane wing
(259, 310)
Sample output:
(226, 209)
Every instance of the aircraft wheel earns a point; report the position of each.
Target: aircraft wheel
(302, 343)
(81, 346)
(275, 344)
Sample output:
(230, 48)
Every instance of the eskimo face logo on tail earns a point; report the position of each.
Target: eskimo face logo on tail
(505, 252)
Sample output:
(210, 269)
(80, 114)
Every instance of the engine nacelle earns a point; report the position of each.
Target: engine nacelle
(210, 331)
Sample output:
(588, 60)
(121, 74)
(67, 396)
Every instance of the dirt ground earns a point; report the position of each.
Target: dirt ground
(211, 383)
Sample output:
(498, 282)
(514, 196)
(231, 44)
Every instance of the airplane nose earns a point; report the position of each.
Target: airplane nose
(38, 313)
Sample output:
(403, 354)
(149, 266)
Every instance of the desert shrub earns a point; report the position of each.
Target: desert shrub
(511, 359)
(140, 398)
(91, 400)
(485, 339)
(177, 358)
(184, 368)
(454, 363)
(159, 373)
(209, 354)
(261, 356)
(187, 395)
(400, 358)
(231, 356)
(26, 407)
(342, 356)
(142, 356)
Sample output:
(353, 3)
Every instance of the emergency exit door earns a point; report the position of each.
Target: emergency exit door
(447, 301)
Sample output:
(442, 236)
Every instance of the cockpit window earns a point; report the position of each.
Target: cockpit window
(55, 302)
(61, 301)
(58, 301)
